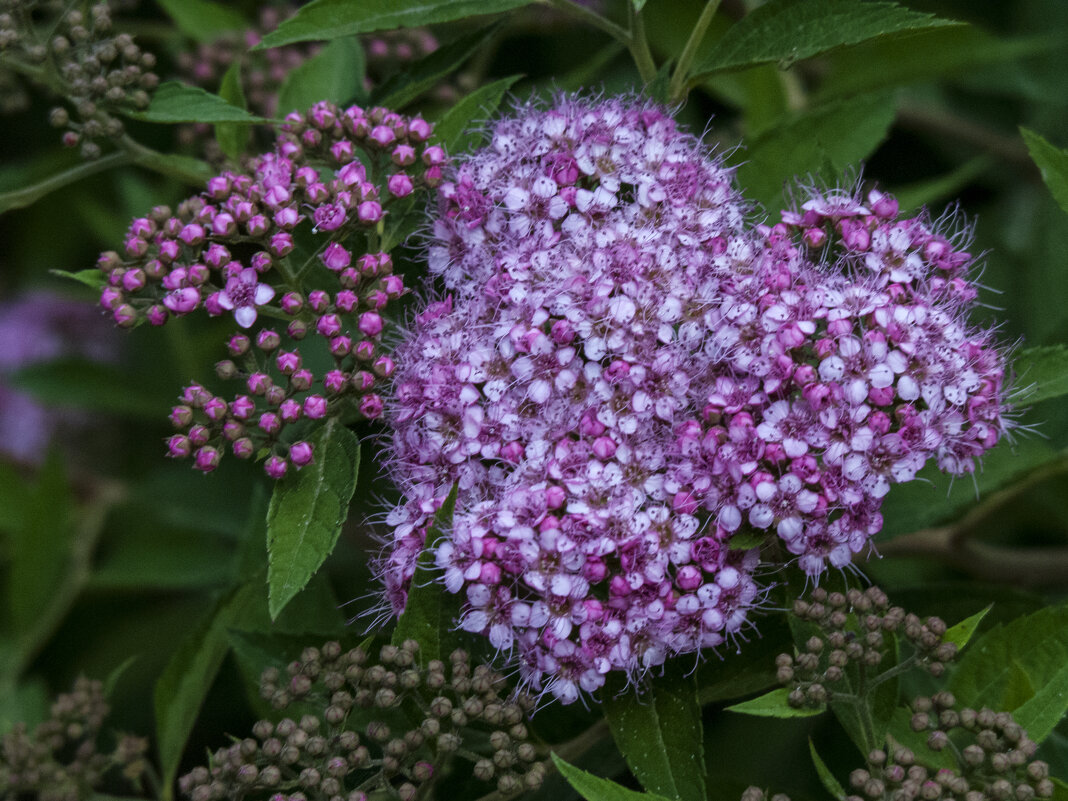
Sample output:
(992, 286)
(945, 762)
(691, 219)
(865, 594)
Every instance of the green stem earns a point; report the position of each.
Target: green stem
(158, 162)
(617, 32)
(677, 89)
(639, 48)
(901, 667)
(20, 198)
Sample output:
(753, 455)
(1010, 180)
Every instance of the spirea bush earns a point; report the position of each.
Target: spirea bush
(533, 398)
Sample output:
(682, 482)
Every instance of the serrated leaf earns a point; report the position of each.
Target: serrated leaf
(773, 705)
(92, 277)
(827, 779)
(1041, 373)
(891, 61)
(791, 30)
(1041, 714)
(660, 735)
(594, 788)
(233, 136)
(185, 681)
(1052, 161)
(332, 19)
(405, 87)
(827, 138)
(961, 633)
(335, 73)
(1011, 665)
(429, 614)
(175, 102)
(81, 384)
(307, 510)
(203, 20)
(453, 130)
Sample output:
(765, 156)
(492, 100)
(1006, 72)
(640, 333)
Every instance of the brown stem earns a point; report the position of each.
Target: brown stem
(954, 544)
(952, 126)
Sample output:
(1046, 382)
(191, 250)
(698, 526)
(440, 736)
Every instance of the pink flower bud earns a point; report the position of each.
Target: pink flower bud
(371, 406)
(371, 324)
(369, 211)
(275, 467)
(335, 257)
(207, 459)
(318, 300)
(314, 407)
(178, 447)
(300, 454)
(400, 185)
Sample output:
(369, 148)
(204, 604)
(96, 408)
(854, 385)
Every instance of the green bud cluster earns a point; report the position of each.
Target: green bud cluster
(75, 55)
(856, 628)
(61, 760)
(386, 726)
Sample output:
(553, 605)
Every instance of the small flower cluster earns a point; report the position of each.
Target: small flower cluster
(631, 387)
(97, 72)
(852, 629)
(324, 757)
(242, 247)
(60, 759)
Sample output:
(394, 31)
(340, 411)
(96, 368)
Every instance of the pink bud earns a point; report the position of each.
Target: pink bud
(371, 324)
(300, 454)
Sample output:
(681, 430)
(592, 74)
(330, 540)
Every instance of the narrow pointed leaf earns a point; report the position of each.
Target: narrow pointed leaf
(92, 277)
(961, 633)
(429, 616)
(594, 788)
(176, 102)
(454, 129)
(827, 779)
(233, 136)
(1041, 372)
(332, 19)
(203, 20)
(335, 73)
(430, 70)
(661, 736)
(773, 705)
(790, 30)
(1053, 162)
(307, 510)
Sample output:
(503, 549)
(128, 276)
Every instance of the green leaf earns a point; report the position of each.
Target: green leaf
(1041, 373)
(1012, 665)
(790, 30)
(429, 615)
(308, 508)
(746, 540)
(26, 702)
(961, 633)
(827, 138)
(92, 277)
(332, 19)
(454, 129)
(1060, 789)
(936, 498)
(202, 20)
(594, 788)
(891, 61)
(1041, 714)
(335, 73)
(26, 194)
(773, 705)
(900, 734)
(185, 681)
(175, 102)
(1052, 161)
(40, 549)
(660, 734)
(832, 785)
(638, 4)
(233, 136)
(184, 168)
(405, 87)
(89, 385)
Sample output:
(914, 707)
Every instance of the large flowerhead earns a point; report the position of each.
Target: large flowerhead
(633, 389)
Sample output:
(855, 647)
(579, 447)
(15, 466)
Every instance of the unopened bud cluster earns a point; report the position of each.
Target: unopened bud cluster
(856, 628)
(61, 760)
(234, 249)
(356, 747)
(993, 752)
(76, 56)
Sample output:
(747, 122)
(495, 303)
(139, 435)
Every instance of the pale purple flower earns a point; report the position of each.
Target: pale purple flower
(243, 293)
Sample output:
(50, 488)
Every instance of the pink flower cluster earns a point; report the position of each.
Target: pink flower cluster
(639, 394)
(250, 245)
